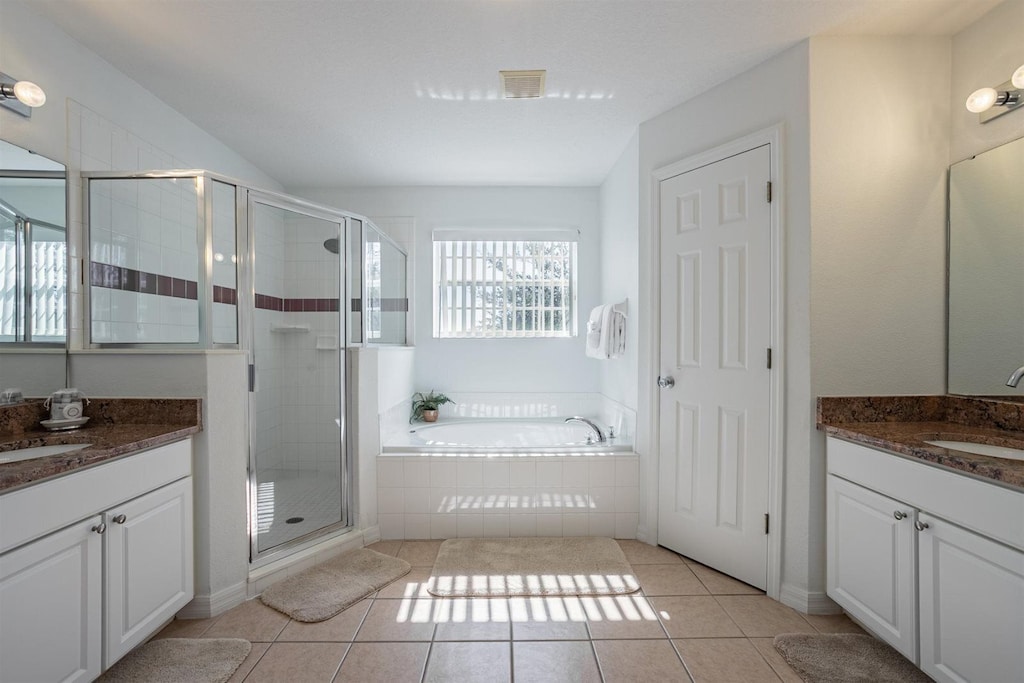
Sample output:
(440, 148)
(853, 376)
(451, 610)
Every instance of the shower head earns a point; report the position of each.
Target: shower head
(332, 245)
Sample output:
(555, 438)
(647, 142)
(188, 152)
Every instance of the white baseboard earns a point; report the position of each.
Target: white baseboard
(807, 602)
(371, 534)
(642, 534)
(215, 604)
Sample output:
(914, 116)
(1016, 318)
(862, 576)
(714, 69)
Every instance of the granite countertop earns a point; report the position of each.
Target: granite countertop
(116, 427)
(902, 424)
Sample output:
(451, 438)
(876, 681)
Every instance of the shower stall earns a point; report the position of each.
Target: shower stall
(191, 259)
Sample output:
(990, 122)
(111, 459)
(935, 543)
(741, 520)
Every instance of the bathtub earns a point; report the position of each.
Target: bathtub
(509, 436)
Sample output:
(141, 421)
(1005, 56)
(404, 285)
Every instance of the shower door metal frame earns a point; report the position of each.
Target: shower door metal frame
(247, 197)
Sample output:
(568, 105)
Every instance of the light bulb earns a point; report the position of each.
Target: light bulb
(218, 257)
(981, 100)
(1018, 78)
(29, 93)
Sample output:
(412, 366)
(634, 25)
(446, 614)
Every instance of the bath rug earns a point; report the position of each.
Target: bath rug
(320, 592)
(846, 658)
(180, 660)
(499, 567)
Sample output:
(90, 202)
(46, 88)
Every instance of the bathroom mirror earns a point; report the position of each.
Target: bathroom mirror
(986, 272)
(33, 271)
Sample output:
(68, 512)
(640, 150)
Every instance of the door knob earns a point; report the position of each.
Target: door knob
(666, 382)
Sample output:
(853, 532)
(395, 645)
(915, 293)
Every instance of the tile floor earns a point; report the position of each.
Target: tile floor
(690, 623)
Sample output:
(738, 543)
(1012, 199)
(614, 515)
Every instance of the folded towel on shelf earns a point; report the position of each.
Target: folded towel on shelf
(618, 334)
(599, 332)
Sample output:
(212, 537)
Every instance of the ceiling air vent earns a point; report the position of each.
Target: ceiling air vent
(517, 85)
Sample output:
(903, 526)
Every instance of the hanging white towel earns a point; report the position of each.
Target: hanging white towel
(599, 328)
(618, 334)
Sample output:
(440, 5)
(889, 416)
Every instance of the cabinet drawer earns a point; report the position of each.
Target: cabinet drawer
(41, 509)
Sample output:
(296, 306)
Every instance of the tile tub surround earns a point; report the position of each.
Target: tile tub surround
(445, 496)
(901, 424)
(116, 427)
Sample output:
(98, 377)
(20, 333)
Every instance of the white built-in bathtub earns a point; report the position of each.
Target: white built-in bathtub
(551, 436)
(495, 478)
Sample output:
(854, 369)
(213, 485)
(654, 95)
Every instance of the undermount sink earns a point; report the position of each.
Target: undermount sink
(40, 452)
(981, 449)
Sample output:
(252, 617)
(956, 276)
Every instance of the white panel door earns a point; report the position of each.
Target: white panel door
(148, 565)
(50, 611)
(715, 331)
(972, 605)
(870, 561)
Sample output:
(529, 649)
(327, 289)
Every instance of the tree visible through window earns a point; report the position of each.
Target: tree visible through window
(505, 288)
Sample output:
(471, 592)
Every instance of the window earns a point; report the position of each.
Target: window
(523, 285)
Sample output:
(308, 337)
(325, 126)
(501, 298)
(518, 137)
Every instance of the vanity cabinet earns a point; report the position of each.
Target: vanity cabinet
(93, 563)
(930, 561)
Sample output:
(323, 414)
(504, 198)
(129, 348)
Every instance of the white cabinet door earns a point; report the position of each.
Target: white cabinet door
(871, 563)
(972, 605)
(50, 612)
(148, 565)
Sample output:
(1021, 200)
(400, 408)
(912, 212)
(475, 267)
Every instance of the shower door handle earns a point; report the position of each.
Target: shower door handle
(252, 377)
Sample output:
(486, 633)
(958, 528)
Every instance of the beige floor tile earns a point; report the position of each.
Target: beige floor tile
(398, 620)
(668, 579)
(639, 660)
(766, 646)
(299, 663)
(472, 619)
(546, 662)
(340, 628)
(469, 663)
(419, 553)
(759, 616)
(721, 584)
(725, 660)
(622, 617)
(638, 552)
(257, 652)
(186, 628)
(548, 618)
(386, 547)
(412, 585)
(391, 662)
(695, 616)
(832, 623)
(251, 620)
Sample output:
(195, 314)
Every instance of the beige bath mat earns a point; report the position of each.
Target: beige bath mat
(531, 566)
(322, 591)
(846, 658)
(180, 660)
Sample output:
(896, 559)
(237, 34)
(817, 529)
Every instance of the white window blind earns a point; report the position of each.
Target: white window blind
(523, 285)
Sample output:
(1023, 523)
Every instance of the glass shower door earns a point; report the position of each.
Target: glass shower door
(298, 478)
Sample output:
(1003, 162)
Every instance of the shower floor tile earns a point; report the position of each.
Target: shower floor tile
(281, 496)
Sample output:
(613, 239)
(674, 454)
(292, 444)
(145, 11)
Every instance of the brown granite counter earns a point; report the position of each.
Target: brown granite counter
(902, 424)
(116, 427)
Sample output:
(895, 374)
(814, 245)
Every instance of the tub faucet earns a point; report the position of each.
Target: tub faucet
(1015, 377)
(597, 430)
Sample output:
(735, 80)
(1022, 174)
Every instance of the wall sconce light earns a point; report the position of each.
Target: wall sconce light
(988, 103)
(20, 96)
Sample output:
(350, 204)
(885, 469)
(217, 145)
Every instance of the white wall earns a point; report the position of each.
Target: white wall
(502, 365)
(985, 53)
(620, 212)
(772, 92)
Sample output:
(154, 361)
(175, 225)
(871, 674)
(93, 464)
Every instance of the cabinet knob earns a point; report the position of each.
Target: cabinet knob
(100, 528)
(899, 514)
(120, 519)
(920, 526)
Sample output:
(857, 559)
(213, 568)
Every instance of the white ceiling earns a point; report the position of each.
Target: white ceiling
(403, 92)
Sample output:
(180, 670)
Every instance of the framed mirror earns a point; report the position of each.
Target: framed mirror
(33, 271)
(985, 339)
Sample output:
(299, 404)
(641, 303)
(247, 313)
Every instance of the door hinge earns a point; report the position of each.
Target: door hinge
(768, 191)
(769, 360)
(766, 523)
(252, 377)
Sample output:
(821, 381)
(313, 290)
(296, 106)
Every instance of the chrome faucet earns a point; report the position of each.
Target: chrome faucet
(1015, 377)
(597, 430)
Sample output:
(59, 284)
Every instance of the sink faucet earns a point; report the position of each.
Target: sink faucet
(1015, 377)
(597, 430)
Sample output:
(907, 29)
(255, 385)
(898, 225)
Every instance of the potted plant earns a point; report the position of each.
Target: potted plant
(424, 406)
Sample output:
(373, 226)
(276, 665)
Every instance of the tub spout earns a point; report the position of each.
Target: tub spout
(597, 430)
(1015, 377)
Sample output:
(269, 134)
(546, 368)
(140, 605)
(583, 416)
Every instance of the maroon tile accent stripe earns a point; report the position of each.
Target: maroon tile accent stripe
(396, 305)
(130, 280)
